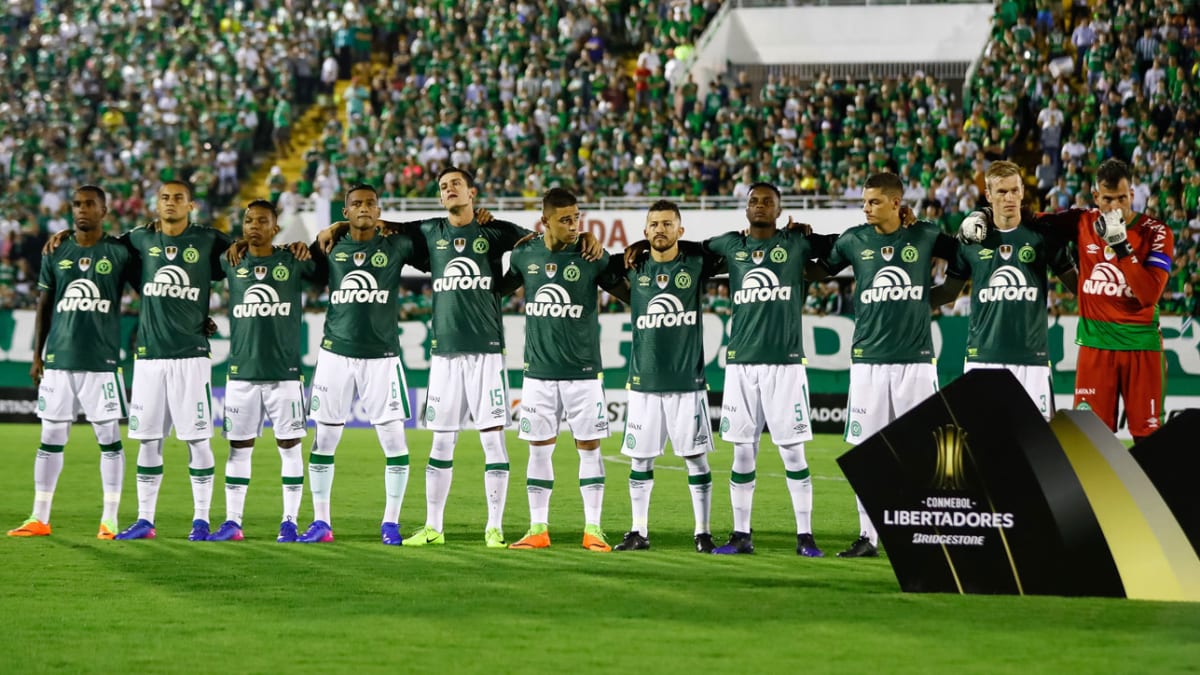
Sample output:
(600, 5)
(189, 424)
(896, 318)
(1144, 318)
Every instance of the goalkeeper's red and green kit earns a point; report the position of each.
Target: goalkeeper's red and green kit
(1120, 345)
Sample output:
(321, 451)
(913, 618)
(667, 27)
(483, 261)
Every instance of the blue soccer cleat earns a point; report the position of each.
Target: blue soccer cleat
(142, 529)
(287, 533)
(317, 533)
(390, 532)
(199, 531)
(739, 543)
(229, 531)
(806, 546)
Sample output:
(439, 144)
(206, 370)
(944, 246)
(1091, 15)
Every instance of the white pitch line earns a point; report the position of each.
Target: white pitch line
(622, 459)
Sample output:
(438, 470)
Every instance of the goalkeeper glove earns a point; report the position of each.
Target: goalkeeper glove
(1111, 228)
(974, 228)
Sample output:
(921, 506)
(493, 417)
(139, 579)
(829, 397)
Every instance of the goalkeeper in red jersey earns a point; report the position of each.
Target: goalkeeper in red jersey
(1124, 262)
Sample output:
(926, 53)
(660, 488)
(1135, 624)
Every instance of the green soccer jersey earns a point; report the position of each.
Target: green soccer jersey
(1008, 297)
(562, 333)
(85, 284)
(667, 353)
(364, 277)
(265, 314)
(177, 276)
(766, 278)
(892, 276)
(465, 263)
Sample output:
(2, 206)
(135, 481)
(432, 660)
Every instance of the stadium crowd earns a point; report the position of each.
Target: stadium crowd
(577, 95)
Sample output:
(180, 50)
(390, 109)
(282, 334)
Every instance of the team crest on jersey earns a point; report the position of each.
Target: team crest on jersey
(887, 252)
(1109, 253)
(379, 259)
(909, 254)
(757, 257)
(551, 269)
(104, 266)
(172, 251)
(662, 280)
(280, 273)
(85, 264)
(191, 255)
(359, 258)
(683, 280)
(571, 273)
(460, 243)
(480, 245)
(260, 272)
(1006, 251)
(778, 255)
(1026, 254)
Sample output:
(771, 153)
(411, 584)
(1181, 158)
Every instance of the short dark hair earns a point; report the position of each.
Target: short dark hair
(767, 186)
(665, 205)
(264, 204)
(454, 169)
(558, 198)
(99, 192)
(886, 181)
(1112, 172)
(183, 183)
(360, 186)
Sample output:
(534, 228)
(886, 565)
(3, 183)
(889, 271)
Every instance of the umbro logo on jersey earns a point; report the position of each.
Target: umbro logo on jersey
(171, 282)
(462, 274)
(83, 295)
(1107, 280)
(891, 284)
(553, 301)
(1008, 284)
(761, 285)
(261, 300)
(665, 311)
(358, 287)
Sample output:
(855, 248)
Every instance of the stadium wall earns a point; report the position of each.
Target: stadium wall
(827, 341)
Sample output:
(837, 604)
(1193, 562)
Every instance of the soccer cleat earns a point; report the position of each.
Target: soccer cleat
(739, 542)
(229, 531)
(287, 533)
(390, 532)
(861, 548)
(199, 531)
(494, 538)
(142, 529)
(538, 536)
(633, 541)
(31, 528)
(594, 539)
(704, 543)
(317, 533)
(108, 529)
(425, 535)
(807, 546)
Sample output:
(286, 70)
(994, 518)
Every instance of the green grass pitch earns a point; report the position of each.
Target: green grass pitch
(72, 603)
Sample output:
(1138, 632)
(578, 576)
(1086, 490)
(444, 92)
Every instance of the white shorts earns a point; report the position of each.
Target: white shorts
(64, 394)
(881, 392)
(655, 417)
(379, 382)
(467, 391)
(544, 403)
(1035, 379)
(248, 403)
(171, 392)
(775, 394)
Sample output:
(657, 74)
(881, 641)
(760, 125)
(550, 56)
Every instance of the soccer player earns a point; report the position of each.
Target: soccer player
(1008, 289)
(79, 328)
(361, 352)
(172, 376)
(765, 378)
(563, 374)
(1125, 261)
(667, 397)
(265, 314)
(892, 355)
